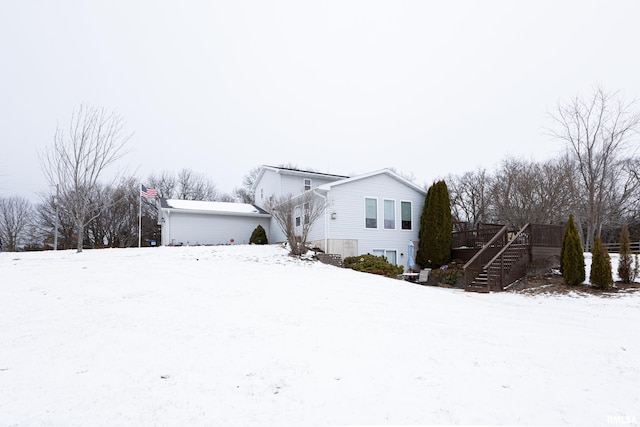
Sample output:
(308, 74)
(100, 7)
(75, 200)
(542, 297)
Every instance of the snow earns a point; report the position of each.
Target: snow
(226, 207)
(245, 335)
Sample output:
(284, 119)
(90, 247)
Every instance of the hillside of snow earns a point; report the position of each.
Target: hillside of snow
(246, 335)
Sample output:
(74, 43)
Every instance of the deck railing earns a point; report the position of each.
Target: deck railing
(501, 267)
(475, 265)
(505, 250)
(476, 237)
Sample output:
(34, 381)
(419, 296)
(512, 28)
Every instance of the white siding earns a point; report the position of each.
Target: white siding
(347, 202)
(285, 182)
(277, 236)
(269, 185)
(207, 229)
(294, 184)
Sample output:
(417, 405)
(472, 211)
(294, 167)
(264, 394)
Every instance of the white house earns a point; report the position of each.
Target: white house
(377, 213)
(189, 222)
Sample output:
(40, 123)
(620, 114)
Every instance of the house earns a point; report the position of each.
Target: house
(189, 222)
(377, 213)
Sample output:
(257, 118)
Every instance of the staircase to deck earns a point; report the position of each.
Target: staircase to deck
(501, 261)
(495, 257)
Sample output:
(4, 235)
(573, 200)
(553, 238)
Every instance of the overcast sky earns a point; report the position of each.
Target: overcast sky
(345, 87)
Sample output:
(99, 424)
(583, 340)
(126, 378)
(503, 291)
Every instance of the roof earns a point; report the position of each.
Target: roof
(388, 172)
(219, 208)
(292, 171)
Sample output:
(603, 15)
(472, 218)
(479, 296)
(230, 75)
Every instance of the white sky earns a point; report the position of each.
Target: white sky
(427, 87)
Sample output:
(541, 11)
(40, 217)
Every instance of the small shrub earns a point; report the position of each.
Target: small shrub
(600, 274)
(571, 255)
(373, 264)
(448, 274)
(259, 236)
(625, 265)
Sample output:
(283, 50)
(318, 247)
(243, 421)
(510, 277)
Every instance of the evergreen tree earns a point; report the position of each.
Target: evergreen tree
(600, 275)
(434, 247)
(571, 255)
(625, 265)
(259, 236)
(421, 252)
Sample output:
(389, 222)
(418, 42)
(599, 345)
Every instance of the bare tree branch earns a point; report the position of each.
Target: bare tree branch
(78, 157)
(296, 216)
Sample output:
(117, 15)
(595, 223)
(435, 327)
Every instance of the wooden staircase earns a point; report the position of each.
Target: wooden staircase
(500, 262)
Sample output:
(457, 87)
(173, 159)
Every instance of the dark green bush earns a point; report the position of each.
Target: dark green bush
(372, 264)
(625, 265)
(571, 255)
(600, 274)
(259, 236)
(434, 246)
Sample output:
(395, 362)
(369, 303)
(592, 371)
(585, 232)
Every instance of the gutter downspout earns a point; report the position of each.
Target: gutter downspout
(326, 222)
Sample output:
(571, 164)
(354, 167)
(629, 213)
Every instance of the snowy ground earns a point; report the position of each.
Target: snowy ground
(245, 335)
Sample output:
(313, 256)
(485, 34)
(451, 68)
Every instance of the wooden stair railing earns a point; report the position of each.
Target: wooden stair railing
(475, 266)
(505, 266)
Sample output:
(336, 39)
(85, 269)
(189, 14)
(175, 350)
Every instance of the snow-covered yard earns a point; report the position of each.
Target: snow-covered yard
(245, 335)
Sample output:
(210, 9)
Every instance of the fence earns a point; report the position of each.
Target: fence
(614, 248)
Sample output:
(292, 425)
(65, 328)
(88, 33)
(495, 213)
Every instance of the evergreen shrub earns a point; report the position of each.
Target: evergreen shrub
(571, 255)
(373, 264)
(436, 226)
(259, 236)
(600, 274)
(626, 270)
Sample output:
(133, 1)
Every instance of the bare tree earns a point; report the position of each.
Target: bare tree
(16, 215)
(195, 186)
(185, 185)
(409, 176)
(527, 191)
(470, 196)
(165, 183)
(597, 130)
(45, 220)
(245, 192)
(296, 216)
(117, 225)
(77, 158)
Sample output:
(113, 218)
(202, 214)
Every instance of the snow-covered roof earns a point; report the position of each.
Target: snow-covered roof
(222, 208)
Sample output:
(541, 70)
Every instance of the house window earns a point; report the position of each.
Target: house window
(297, 215)
(391, 257)
(306, 213)
(405, 213)
(389, 214)
(371, 213)
(389, 254)
(307, 184)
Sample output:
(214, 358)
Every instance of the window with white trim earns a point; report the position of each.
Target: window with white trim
(391, 255)
(389, 214)
(307, 184)
(405, 215)
(371, 213)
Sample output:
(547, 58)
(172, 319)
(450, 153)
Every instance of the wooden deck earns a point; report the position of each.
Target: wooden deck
(496, 257)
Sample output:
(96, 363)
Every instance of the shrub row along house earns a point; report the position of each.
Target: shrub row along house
(377, 213)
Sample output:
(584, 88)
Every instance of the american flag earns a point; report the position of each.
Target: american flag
(148, 192)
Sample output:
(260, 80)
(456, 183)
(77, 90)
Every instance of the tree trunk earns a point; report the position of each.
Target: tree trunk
(80, 228)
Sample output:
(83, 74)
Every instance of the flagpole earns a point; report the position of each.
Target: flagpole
(139, 215)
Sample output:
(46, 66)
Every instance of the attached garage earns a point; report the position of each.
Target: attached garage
(191, 222)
